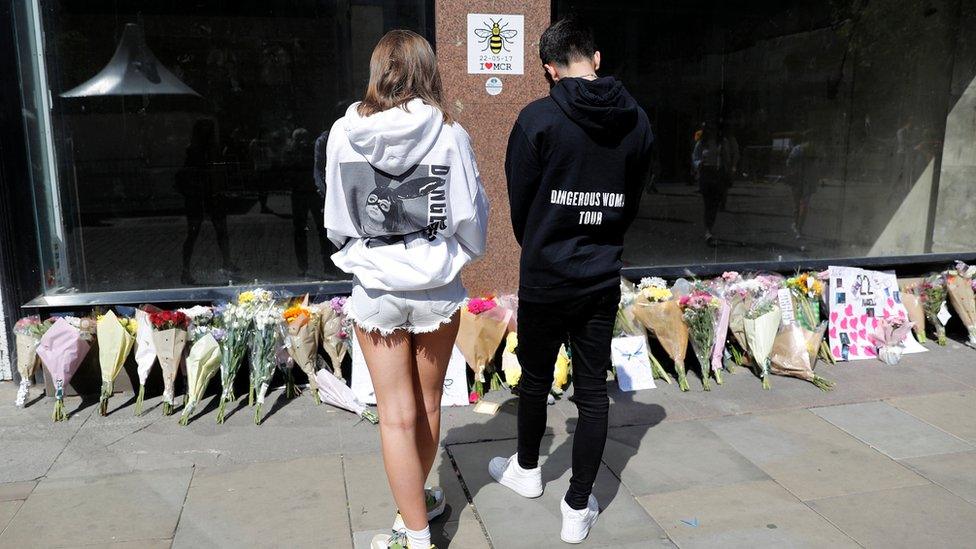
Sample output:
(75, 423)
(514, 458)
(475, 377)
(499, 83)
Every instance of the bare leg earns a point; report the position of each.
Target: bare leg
(391, 366)
(432, 352)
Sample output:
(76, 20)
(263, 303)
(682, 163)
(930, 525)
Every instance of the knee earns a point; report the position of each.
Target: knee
(592, 402)
(399, 419)
(432, 406)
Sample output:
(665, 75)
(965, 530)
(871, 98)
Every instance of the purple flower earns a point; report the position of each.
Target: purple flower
(337, 303)
(219, 334)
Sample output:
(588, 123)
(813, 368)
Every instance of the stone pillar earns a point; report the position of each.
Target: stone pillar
(488, 119)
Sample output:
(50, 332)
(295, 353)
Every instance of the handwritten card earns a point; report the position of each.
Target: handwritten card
(629, 356)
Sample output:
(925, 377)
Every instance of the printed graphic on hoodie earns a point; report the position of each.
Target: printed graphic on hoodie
(380, 204)
(590, 199)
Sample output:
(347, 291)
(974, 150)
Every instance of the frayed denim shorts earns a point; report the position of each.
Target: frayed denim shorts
(416, 311)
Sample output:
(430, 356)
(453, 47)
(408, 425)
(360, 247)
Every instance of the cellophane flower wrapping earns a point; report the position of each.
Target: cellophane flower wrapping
(627, 324)
(115, 342)
(664, 320)
(807, 290)
(889, 338)
(302, 340)
(145, 353)
(202, 363)
(262, 345)
(28, 332)
(62, 349)
(335, 392)
(910, 290)
(794, 353)
(933, 294)
(510, 363)
(761, 326)
(169, 340)
(963, 301)
(699, 310)
(481, 331)
(336, 330)
(233, 323)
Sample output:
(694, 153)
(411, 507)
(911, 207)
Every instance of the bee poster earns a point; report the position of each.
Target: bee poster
(496, 44)
(858, 299)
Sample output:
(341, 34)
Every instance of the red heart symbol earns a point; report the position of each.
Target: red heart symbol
(853, 336)
(843, 324)
(874, 322)
(833, 316)
(849, 311)
(891, 302)
(488, 65)
(863, 333)
(835, 351)
(887, 313)
(853, 322)
(853, 350)
(833, 333)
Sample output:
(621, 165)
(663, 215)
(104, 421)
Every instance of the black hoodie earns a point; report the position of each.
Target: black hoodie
(576, 166)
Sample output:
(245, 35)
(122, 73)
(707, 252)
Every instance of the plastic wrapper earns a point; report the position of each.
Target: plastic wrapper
(664, 320)
(794, 354)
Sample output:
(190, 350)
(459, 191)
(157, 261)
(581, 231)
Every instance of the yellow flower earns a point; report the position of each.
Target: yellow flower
(561, 374)
(245, 297)
(511, 342)
(656, 293)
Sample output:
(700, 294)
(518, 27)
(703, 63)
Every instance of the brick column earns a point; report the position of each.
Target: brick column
(489, 120)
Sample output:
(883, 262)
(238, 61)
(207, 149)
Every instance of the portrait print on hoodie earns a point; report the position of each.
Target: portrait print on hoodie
(382, 204)
(404, 201)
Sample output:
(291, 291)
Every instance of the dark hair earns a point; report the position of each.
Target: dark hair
(565, 41)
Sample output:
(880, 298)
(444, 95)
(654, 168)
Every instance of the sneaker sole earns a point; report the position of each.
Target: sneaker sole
(515, 487)
(582, 539)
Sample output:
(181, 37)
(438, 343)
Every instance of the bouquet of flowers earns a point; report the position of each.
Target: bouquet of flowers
(335, 392)
(285, 362)
(700, 311)
(202, 363)
(660, 314)
(510, 364)
(302, 340)
(794, 353)
(145, 351)
(169, 340)
(960, 284)
(115, 342)
(201, 321)
(62, 349)
(483, 325)
(233, 324)
(933, 298)
(723, 316)
(28, 332)
(740, 298)
(262, 345)
(627, 324)
(911, 297)
(761, 326)
(890, 338)
(807, 290)
(336, 331)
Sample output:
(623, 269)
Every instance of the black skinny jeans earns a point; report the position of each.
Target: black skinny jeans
(587, 323)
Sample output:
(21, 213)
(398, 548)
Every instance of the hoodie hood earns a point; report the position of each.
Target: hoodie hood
(395, 140)
(602, 107)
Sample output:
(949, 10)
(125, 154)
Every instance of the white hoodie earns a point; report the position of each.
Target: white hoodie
(404, 200)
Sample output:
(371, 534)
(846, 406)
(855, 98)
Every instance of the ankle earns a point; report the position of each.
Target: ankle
(418, 539)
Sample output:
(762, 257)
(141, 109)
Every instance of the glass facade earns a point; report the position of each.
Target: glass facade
(830, 129)
(173, 144)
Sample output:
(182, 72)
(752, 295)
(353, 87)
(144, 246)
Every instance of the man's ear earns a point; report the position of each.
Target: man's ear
(596, 61)
(551, 71)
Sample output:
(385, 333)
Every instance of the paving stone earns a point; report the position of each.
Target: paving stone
(810, 457)
(912, 517)
(13, 491)
(295, 503)
(140, 544)
(513, 521)
(674, 456)
(7, 511)
(461, 424)
(954, 412)
(892, 431)
(749, 514)
(954, 472)
(107, 509)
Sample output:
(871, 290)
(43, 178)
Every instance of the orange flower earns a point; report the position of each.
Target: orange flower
(295, 311)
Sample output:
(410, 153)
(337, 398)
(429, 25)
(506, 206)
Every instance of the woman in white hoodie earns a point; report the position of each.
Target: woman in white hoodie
(406, 208)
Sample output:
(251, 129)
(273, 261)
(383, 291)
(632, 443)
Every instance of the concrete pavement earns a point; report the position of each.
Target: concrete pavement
(885, 460)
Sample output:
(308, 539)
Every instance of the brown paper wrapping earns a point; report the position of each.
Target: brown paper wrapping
(963, 300)
(27, 359)
(795, 352)
(664, 320)
(737, 317)
(169, 346)
(330, 324)
(303, 346)
(916, 313)
(478, 338)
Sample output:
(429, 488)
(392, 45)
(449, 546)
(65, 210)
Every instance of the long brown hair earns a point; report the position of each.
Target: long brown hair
(403, 67)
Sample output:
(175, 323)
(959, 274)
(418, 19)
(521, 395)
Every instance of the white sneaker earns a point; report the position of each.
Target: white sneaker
(436, 502)
(524, 482)
(577, 523)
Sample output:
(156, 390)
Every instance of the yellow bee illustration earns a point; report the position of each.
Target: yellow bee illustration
(495, 36)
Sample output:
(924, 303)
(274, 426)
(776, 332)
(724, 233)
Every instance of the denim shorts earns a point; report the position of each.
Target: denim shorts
(416, 311)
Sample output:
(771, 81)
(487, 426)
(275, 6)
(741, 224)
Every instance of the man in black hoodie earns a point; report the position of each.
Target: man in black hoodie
(576, 167)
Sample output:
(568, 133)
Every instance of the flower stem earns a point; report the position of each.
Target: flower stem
(370, 416)
(257, 414)
(221, 409)
(682, 377)
(59, 414)
(718, 375)
(250, 395)
(167, 409)
(658, 370)
(103, 406)
(822, 383)
(318, 399)
(142, 394)
(765, 382)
